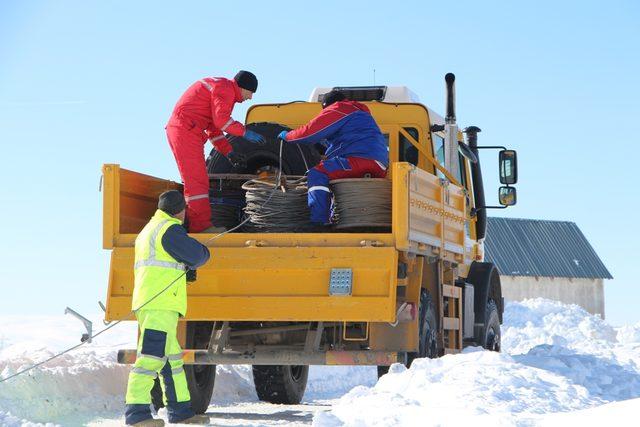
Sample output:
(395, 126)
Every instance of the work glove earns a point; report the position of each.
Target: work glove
(237, 160)
(191, 275)
(254, 137)
(283, 135)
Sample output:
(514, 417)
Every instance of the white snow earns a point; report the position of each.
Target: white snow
(556, 359)
(559, 366)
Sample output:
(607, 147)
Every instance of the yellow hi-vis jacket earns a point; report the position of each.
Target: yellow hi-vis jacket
(155, 269)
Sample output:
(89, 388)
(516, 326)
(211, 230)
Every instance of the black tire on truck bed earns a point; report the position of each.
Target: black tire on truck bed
(296, 158)
(280, 383)
(200, 378)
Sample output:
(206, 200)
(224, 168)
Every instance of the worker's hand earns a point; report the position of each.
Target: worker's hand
(254, 137)
(238, 160)
(191, 275)
(283, 135)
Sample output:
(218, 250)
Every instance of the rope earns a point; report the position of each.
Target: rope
(304, 159)
(362, 202)
(133, 312)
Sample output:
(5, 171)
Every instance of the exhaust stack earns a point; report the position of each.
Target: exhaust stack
(451, 128)
(450, 81)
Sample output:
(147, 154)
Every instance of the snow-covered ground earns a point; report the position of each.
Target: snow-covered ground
(559, 366)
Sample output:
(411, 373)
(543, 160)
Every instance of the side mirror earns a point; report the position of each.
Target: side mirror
(466, 152)
(507, 196)
(508, 164)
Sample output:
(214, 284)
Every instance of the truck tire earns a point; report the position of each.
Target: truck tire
(296, 158)
(200, 378)
(427, 343)
(490, 337)
(280, 384)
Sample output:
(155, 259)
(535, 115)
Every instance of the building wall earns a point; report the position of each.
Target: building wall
(587, 293)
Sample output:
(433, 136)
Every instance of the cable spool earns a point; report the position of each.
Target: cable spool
(362, 203)
(287, 211)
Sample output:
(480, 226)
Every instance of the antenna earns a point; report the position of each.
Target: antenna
(374, 76)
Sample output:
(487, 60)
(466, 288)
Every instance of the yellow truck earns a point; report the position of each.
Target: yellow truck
(284, 301)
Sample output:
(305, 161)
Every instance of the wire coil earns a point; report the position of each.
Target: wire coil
(362, 203)
(287, 210)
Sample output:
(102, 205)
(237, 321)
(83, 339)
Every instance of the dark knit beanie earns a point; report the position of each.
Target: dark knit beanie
(332, 97)
(171, 202)
(246, 80)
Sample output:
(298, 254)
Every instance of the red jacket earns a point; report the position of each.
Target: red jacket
(206, 108)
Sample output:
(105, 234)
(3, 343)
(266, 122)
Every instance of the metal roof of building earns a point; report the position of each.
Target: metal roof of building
(531, 247)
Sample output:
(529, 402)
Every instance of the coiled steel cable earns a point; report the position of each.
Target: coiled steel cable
(286, 212)
(362, 202)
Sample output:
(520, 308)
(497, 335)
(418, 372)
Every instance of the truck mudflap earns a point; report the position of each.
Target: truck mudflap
(280, 357)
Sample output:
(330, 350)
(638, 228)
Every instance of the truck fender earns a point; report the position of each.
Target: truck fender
(485, 278)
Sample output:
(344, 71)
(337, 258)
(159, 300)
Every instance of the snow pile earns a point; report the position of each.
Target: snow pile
(464, 386)
(71, 389)
(625, 413)
(629, 334)
(234, 383)
(556, 358)
(9, 420)
(539, 321)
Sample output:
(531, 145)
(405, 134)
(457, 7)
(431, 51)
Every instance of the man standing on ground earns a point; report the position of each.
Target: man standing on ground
(204, 112)
(163, 251)
(355, 149)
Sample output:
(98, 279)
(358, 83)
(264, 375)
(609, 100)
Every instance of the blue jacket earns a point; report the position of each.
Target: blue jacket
(347, 129)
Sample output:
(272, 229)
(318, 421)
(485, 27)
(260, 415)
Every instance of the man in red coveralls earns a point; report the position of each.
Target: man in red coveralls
(203, 113)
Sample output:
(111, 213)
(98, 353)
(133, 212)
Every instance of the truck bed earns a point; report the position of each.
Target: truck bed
(285, 276)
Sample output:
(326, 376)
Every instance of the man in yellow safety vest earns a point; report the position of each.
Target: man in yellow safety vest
(163, 254)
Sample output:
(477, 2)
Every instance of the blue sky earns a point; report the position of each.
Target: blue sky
(84, 83)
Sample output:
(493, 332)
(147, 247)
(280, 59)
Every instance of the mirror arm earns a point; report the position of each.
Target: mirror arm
(474, 211)
(491, 147)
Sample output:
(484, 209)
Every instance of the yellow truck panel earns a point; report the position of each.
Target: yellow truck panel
(260, 284)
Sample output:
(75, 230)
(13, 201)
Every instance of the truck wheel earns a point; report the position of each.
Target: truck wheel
(296, 158)
(490, 337)
(427, 343)
(428, 328)
(200, 378)
(280, 383)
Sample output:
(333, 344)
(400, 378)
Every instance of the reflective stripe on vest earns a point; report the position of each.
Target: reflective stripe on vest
(151, 261)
